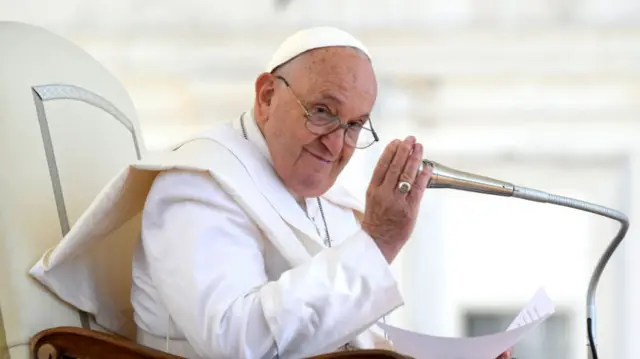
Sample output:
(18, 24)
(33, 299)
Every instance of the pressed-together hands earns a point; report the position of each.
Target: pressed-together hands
(391, 210)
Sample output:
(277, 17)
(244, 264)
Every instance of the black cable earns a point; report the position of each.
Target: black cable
(592, 343)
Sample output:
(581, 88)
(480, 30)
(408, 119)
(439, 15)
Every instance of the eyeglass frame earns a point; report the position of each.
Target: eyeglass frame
(345, 126)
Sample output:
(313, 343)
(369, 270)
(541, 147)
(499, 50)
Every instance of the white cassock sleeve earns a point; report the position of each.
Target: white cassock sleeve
(206, 260)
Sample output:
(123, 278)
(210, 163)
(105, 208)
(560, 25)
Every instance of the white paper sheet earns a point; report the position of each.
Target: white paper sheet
(540, 306)
(422, 346)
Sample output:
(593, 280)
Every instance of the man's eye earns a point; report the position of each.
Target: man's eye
(321, 110)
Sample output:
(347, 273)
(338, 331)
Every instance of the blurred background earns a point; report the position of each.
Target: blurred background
(543, 93)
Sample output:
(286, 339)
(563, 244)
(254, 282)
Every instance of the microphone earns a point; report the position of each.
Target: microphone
(448, 178)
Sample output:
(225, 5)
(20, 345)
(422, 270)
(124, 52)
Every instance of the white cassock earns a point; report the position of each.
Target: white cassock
(229, 265)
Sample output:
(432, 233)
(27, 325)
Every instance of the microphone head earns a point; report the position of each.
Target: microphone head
(446, 177)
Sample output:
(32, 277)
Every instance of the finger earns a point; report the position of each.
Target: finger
(419, 186)
(384, 162)
(398, 163)
(412, 165)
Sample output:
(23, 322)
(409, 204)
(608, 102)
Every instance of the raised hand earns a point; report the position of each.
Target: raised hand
(394, 195)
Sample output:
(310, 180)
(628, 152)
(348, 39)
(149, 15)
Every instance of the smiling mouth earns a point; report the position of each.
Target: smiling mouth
(318, 157)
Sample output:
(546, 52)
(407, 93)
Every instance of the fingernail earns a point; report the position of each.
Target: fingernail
(410, 139)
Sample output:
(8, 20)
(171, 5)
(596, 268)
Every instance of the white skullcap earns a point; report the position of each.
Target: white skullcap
(313, 38)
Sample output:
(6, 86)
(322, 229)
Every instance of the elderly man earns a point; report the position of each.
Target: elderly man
(249, 249)
(242, 299)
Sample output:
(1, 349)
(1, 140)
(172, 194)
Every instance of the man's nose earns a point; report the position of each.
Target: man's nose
(334, 141)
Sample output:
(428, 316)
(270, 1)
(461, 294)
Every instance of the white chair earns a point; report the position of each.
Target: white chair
(67, 126)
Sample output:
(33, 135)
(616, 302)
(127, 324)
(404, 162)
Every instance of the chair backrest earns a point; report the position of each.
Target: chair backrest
(67, 126)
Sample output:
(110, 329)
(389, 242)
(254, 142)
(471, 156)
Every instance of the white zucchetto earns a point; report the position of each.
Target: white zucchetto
(313, 38)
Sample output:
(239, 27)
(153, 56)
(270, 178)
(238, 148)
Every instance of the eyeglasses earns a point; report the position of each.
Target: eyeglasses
(320, 122)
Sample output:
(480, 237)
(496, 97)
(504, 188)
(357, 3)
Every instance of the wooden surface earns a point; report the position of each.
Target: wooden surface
(73, 342)
(55, 343)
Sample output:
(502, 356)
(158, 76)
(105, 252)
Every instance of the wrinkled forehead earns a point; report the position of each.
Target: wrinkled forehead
(338, 71)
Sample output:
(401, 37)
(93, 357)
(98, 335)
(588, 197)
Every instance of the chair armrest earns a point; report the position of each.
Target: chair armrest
(75, 342)
(362, 354)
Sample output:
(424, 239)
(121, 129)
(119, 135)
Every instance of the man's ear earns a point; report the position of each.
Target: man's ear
(264, 88)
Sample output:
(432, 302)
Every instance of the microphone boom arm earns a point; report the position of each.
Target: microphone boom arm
(444, 177)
